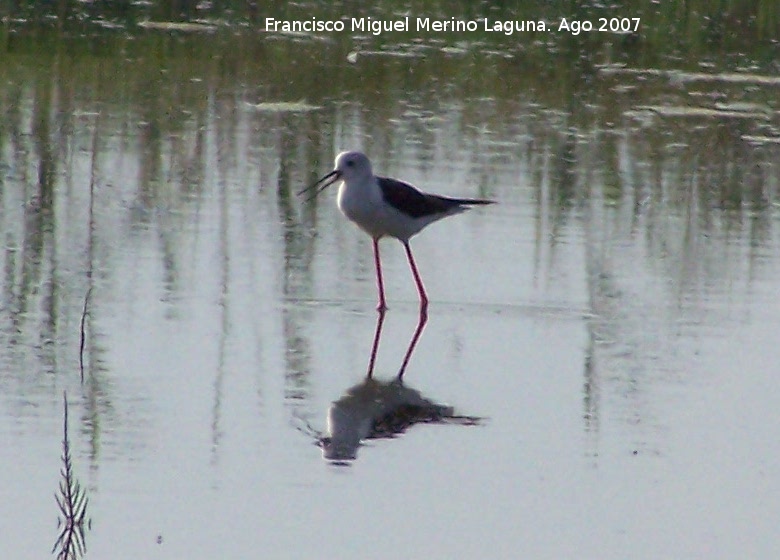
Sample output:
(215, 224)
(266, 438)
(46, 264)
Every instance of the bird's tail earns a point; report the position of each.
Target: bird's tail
(472, 201)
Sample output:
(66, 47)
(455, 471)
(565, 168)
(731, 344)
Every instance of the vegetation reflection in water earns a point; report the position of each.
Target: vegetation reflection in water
(109, 122)
(149, 103)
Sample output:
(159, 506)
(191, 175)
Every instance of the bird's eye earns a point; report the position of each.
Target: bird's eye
(350, 163)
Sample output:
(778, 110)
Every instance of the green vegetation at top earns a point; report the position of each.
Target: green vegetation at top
(675, 23)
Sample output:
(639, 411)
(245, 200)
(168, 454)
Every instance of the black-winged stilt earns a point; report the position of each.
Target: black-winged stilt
(381, 207)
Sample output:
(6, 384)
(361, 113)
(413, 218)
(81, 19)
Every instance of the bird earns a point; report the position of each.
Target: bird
(386, 207)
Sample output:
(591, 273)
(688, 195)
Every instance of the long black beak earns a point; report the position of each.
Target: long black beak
(328, 180)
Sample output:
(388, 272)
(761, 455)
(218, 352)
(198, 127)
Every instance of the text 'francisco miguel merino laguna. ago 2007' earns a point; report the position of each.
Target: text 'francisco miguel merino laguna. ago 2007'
(428, 25)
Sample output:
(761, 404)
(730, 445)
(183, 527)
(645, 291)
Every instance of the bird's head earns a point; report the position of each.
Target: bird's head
(353, 165)
(349, 166)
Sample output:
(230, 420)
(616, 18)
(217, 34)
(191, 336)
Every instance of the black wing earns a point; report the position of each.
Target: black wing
(407, 199)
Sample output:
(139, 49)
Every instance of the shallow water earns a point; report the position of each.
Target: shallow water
(609, 325)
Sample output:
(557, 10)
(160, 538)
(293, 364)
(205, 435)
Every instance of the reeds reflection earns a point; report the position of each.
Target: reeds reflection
(144, 168)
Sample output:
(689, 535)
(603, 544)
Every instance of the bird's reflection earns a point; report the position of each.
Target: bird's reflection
(421, 321)
(376, 409)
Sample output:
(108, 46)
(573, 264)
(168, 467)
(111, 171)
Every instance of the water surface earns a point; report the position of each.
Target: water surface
(611, 322)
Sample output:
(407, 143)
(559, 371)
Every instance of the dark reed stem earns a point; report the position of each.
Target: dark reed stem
(82, 342)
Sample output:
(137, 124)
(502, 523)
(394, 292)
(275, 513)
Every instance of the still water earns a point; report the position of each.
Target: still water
(601, 350)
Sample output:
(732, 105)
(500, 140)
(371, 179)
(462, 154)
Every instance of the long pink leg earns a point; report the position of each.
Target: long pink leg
(418, 280)
(381, 306)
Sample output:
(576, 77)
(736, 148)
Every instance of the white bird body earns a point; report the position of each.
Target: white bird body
(363, 203)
